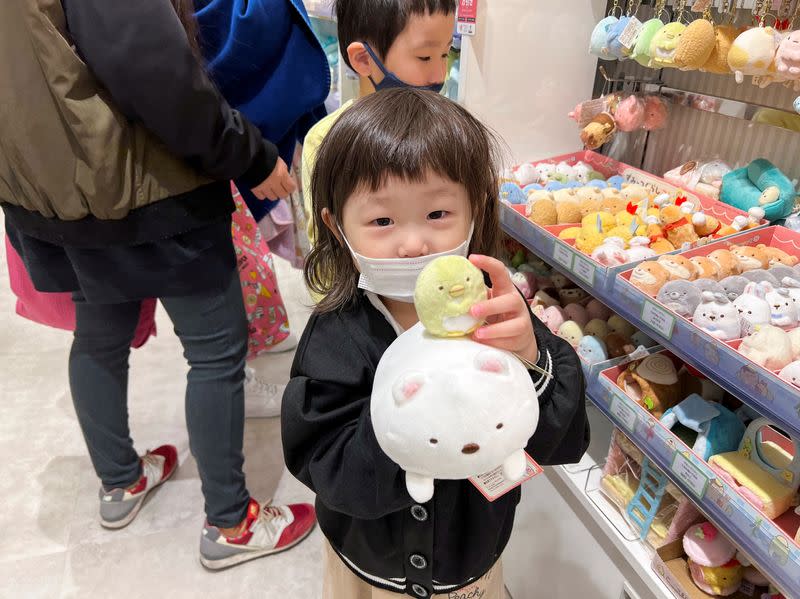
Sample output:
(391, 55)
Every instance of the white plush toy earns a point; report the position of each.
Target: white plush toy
(753, 307)
(565, 171)
(449, 407)
(793, 285)
(791, 374)
(794, 337)
(784, 310)
(545, 172)
(718, 317)
(768, 346)
(526, 174)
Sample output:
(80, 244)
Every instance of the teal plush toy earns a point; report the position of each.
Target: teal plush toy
(760, 184)
(615, 47)
(718, 429)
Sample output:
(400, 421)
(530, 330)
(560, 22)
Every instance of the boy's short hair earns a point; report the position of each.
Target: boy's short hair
(379, 22)
(404, 133)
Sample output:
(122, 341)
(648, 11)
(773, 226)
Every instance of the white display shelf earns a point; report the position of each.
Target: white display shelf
(582, 480)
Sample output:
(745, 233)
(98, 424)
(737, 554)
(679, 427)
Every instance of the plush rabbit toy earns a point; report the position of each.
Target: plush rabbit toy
(754, 310)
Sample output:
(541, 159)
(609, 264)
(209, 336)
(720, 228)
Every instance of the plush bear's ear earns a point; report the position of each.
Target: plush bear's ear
(407, 387)
(493, 362)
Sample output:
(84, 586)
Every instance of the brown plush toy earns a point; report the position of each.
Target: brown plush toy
(726, 262)
(542, 212)
(679, 267)
(717, 62)
(706, 269)
(599, 131)
(695, 46)
(750, 258)
(589, 206)
(568, 212)
(649, 277)
(705, 225)
(776, 256)
(653, 383)
(618, 345)
(677, 227)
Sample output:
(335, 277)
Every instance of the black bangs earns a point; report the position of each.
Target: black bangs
(379, 22)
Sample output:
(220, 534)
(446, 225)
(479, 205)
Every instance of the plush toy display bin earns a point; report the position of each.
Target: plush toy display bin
(622, 477)
(778, 399)
(577, 263)
(669, 562)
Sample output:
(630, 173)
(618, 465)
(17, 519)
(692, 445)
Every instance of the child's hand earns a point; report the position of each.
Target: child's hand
(510, 327)
(278, 185)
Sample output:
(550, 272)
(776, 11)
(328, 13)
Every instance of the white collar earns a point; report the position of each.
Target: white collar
(380, 307)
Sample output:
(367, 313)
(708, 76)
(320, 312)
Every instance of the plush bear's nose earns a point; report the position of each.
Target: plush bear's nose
(470, 448)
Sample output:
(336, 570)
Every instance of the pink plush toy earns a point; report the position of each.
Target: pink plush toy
(577, 313)
(655, 113)
(630, 114)
(553, 318)
(598, 310)
(787, 59)
(575, 115)
(712, 560)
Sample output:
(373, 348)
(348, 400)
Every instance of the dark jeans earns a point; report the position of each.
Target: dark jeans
(212, 327)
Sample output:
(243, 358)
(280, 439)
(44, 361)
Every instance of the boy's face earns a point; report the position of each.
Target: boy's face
(419, 54)
(406, 219)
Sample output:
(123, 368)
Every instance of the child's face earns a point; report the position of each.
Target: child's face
(404, 219)
(419, 54)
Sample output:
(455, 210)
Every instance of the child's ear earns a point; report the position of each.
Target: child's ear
(330, 222)
(359, 59)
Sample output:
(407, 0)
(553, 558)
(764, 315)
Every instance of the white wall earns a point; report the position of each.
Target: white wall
(527, 67)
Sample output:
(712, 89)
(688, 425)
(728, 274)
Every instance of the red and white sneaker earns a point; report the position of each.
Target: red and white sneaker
(267, 530)
(118, 507)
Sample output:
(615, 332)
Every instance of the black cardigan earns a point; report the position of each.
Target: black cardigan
(362, 504)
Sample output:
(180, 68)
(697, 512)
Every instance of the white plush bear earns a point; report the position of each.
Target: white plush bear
(526, 174)
(784, 310)
(545, 172)
(793, 285)
(565, 171)
(718, 317)
(451, 408)
(768, 346)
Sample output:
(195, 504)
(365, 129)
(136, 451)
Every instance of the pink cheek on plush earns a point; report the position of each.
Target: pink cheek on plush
(409, 389)
(492, 366)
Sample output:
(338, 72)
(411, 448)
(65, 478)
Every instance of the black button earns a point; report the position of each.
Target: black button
(420, 513)
(419, 562)
(419, 590)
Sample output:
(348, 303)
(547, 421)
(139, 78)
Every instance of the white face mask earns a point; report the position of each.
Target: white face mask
(396, 278)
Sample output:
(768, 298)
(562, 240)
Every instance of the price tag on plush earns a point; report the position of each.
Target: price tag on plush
(444, 406)
(630, 34)
(494, 484)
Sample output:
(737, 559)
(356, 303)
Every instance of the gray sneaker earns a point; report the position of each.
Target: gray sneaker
(118, 507)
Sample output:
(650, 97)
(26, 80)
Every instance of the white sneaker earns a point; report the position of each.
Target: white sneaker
(284, 346)
(261, 399)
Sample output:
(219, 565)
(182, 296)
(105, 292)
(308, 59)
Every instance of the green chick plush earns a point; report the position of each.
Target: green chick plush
(446, 290)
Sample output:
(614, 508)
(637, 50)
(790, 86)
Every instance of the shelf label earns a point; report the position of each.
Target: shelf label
(624, 413)
(563, 255)
(467, 16)
(691, 475)
(584, 269)
(658, 318)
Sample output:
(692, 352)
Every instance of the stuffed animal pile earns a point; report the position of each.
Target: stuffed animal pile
(433, 404)
(589, 326)
(703, 177)
(618, 112)
(750, 293)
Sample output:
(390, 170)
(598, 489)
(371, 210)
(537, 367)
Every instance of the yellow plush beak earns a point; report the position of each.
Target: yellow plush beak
(457, 291)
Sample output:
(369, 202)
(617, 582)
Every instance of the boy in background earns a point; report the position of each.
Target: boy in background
(388, 43)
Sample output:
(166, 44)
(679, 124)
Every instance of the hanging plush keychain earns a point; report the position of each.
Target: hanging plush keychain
(665, 42)
(641, 52)
(622, 35)
(696, 43)
(598, 45)
(724, 35)
(753, 52)
(787, 58)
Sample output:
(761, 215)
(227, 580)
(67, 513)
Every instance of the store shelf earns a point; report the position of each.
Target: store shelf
(769, 547)
(759, 389)
(582, 481)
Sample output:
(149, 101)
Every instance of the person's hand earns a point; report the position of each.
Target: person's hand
(278, 185)
(509, 325)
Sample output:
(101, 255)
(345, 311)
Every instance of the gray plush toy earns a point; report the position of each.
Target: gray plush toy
(761, 276)
(682, 297)
(734, 286)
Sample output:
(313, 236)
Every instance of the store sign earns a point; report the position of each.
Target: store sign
(655, 185)
(467, 17)
(690, 475)
(658, 319)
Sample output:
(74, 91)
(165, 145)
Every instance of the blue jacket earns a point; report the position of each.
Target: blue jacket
(267, 62)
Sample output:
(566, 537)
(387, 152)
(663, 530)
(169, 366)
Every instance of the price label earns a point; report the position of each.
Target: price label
(624, 413)
(494, 484)
(467, 17)
(563, 255)
(691, 475)
(701, 5)
(591, 109)
(584, 269)
(658, 319)
(630, 34)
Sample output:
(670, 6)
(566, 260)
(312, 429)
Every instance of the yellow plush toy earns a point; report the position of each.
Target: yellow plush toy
(446, 290)
(695, 45)
(542, 212)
